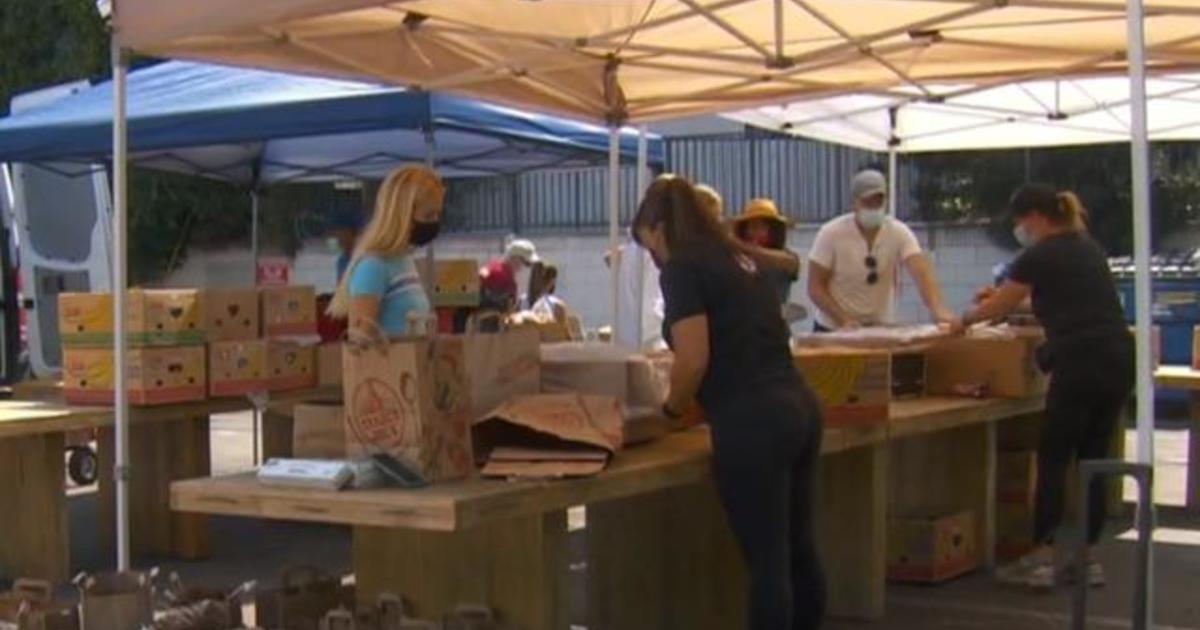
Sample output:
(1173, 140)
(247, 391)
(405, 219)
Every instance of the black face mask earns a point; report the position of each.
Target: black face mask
(423, 233)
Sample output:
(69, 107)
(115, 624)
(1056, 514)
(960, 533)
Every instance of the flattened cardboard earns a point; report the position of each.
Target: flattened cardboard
(549, 436)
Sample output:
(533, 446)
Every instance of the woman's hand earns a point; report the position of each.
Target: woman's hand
(985, 293)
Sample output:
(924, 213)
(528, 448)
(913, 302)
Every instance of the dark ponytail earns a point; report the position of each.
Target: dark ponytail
(1062, 208)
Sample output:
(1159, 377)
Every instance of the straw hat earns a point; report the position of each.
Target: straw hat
(761, 209)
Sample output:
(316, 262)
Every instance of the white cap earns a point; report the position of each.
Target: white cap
(867, 183)
(522, 250)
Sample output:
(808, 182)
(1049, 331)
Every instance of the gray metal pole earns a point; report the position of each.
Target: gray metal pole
(643, 177)
(614, 220)
(119, 259)
(1140, 160)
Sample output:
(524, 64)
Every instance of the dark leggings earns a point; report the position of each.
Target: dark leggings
(1087, 393)
(765, 457)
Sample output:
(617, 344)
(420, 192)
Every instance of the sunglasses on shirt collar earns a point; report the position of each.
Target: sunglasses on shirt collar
(872, 269)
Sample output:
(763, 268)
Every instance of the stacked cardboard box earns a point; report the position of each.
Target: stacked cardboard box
(166, 333)
(986, 367)
(289, 325)
(853, 385)
(237, 358)
(931, 549)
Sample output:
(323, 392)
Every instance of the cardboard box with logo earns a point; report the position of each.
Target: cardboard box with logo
(319, 431)
(854, 386)
(288, 311)
(156, 376)
(931, 549)
(455, 282)
(231, 314)
(986, 367)
(237, 368)
(156, 317)
(290, 365)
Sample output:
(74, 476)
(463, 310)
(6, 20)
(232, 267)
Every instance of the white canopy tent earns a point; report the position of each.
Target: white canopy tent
(641, 60)
(959, 117)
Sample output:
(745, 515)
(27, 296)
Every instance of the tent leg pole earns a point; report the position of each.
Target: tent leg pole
(1140, 161)
(614, 220)
(431, 162)
(119, 281)
(643, 176)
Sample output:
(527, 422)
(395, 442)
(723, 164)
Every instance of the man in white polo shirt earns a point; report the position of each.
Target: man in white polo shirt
(855, 262)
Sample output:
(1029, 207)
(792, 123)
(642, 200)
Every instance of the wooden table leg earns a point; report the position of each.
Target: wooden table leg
(517, 566)
(33, 529)
(664, 560)
(946, 472)
(159, 453)
(852, 521)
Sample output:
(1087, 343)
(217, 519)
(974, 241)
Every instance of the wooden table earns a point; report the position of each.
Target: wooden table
(166, 443)
(659, 552)
(1184, 377)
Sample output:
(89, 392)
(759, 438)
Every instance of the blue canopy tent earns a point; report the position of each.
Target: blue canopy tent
(257, 128)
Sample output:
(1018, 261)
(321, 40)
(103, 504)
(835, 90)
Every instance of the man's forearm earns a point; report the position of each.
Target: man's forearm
(824, 300)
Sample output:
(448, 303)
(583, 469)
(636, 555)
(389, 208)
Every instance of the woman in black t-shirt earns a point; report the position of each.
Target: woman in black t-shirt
(732, 354)
(1088, 352)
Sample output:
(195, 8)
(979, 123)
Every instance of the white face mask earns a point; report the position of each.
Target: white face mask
(1021, 233)
(870, 218)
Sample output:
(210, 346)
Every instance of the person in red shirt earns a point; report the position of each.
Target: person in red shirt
(498, 278)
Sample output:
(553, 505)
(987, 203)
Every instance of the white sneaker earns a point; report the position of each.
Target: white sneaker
(1029, 572)
(1096, 577)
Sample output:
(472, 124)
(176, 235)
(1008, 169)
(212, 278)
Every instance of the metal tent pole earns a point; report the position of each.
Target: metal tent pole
(256, 417)
(893, 159)
(643, 177)
(1140, 160)
(614, 221)
(120, 393)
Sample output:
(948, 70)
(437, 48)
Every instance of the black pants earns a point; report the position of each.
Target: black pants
(766, 449)
(1088, 388)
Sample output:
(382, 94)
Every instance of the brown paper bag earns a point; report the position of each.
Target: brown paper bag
(305, 596)
(115, 601)
(500, 365)
(30, 606)
(409, 398)
(549, 435)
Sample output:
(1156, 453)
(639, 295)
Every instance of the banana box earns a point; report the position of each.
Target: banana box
(290, 365)
(455, 282)
(854, 386)
(288, 311)
(237, 368)
(931, 548)
(156, 376)
(155, 317)
(231, 314)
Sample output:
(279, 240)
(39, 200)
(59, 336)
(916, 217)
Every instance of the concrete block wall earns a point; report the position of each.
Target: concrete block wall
(963, 257)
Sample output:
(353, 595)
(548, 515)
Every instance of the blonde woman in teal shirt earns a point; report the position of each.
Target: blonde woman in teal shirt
(381, 288)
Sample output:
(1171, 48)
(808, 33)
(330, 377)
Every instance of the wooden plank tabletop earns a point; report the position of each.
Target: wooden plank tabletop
(52, 415)
(1177, 377)
(675, 460)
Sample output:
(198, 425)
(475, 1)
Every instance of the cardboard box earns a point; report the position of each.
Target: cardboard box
(288, 311)
(853, 385)
(931, 549)
(1016, 477)
(908, 374)
(231, 314)
(996, 368)
(1014, 530)
(329, 364)
(156, 376)
(319, 431)
(156, 317)
(290, 365)
(237, 368)
(455, 282)
(601, 369)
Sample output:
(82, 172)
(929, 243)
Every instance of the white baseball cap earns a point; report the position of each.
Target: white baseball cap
(522, 250)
